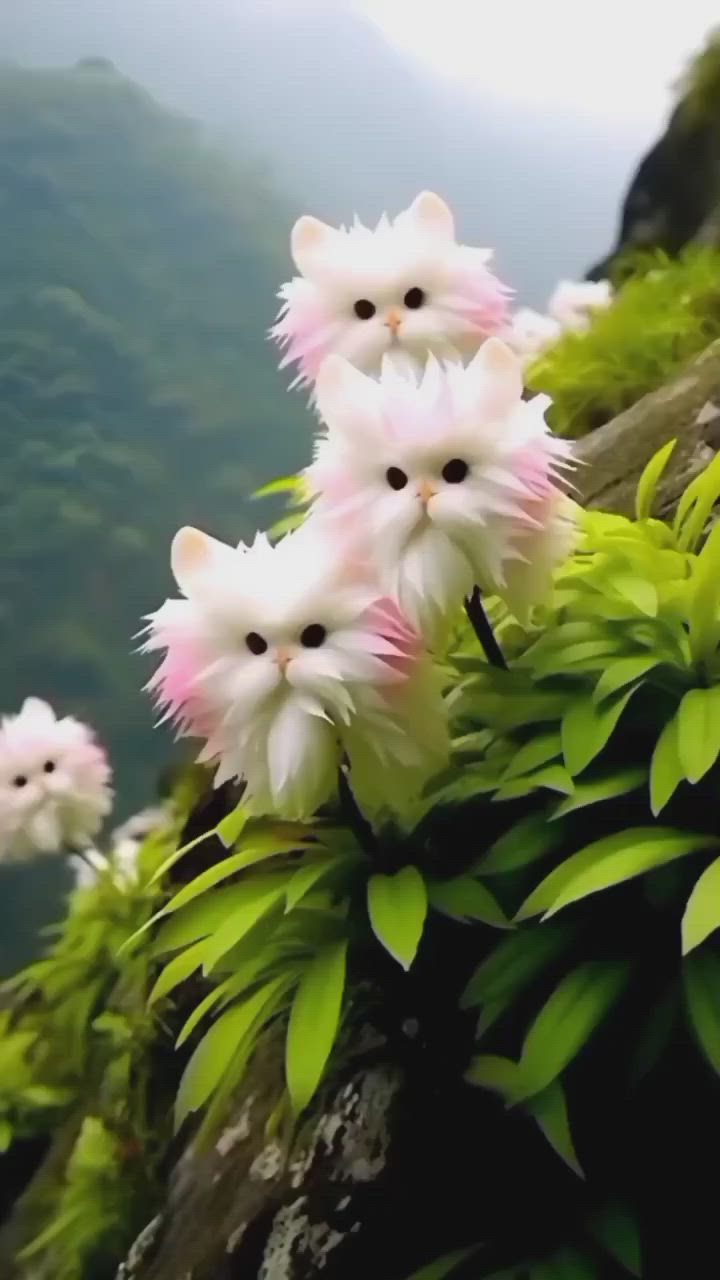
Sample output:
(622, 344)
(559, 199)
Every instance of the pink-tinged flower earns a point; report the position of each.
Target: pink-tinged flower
(453, 480)
(573, 302)
(529, 332)
(54, 783)
(404, 288)
(285, 659)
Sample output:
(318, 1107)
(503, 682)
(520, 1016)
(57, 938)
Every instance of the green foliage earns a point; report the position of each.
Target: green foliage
(139, 272)
(666, 312)
(91, 1206)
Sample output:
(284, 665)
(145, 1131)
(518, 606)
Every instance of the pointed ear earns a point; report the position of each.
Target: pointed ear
(343, 394)
(38, 709)
(192, 554)
(501, 376)
(433, 215)
(309, 237)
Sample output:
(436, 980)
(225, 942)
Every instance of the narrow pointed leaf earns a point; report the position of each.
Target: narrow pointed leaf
(638, 591)
(227, 867)
(314, 1020)
(216, 1050)
(565, 1023)
(549, 1109)
(552, 776)
(586, 729)
(260, 896)
(698, 731)
(516, 961)
(179, 968)
(444, 1267)
(616, 1230)
(199, 919)
(608, 862)
(464, 898)
(231, 827)
(524, 843)
(701, 975)
(608, 788)
(702, 913)
(532, 755)
(492, 1072)
(666, 771)
(621, 673)
(648, 482)
(397, 906)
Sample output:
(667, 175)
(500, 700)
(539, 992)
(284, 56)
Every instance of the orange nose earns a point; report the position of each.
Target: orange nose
(426, 491)
(393, 320)
(282, 659)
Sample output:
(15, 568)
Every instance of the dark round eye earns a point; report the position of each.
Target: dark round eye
(255, 643)
(49, 766)
(414, 298)
(396, 478)
(313, 636)
(455, 471)
(20, 780)
(364, 309)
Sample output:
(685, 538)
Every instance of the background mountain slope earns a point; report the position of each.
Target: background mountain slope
(137, 389)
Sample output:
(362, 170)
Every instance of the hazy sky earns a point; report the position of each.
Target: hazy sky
(613, 63)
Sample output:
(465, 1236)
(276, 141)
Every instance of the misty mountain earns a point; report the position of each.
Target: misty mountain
(138, 391)
(348, 122)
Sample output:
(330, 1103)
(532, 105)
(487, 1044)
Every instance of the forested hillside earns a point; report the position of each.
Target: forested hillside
(137, 389)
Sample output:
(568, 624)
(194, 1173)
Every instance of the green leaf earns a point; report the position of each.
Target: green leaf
(549, 1109)
(616, 1230)
(463, 898)
(522, 844)
(197, 920)
(6, 1135)
(610, 861)
(696, 504)
(654, 1036)
(179, 968)
(648, 482)
(517, 961)
(637, 591)
(703, 626)
(698, 735)
(565, 1023)
(260, 895)
(314, 1020)
(233, 986)
(246, 857)
(701, 974)
(215, 1052)
(284, 484)
(608, 788)
(444, 1266)
(492, 1072)
(623, 672)
(397, 906)
(666, 771)
(232, 825)
(586, 728)
(553, 776)
(312, 874)
(533, 754)
(702, 913)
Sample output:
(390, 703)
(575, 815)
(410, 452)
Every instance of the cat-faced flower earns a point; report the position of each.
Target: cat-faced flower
(573, 302)
(54, 783)
(403, 288)
(285, 659)
(453, 478)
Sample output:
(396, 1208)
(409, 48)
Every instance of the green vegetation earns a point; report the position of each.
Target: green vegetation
(138, 391)
(666, 312)
(698, 90)
(588, 773)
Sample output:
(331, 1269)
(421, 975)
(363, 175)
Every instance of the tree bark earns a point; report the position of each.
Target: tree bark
(687, 410)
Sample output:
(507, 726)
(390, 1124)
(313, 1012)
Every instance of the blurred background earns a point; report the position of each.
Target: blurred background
(153, 156)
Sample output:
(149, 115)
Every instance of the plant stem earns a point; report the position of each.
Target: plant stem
(483, 630)
(356, 820)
